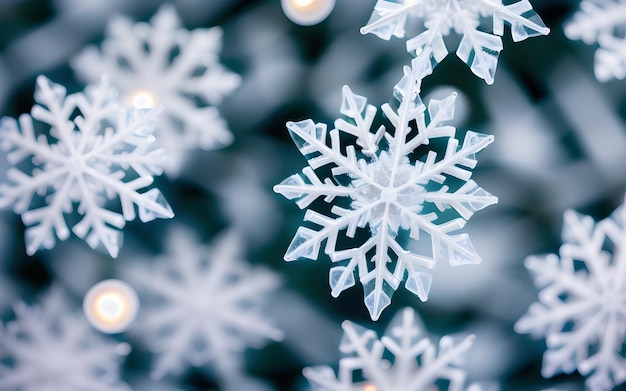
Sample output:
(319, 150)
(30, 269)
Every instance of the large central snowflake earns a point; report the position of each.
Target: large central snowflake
(478, 49)
(391, 182)
(416, 364)
(49, 348)
(96, 151)
(202, 304)
(162, 63)
(582, 305)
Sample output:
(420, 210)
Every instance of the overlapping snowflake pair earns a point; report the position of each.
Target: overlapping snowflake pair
(98, 148)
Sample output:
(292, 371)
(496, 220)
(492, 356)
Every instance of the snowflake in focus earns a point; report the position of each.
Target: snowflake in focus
(202, 304)
(416, 364)
(582, 305)
(96, 151)
(410, 185)
(478, 49)
(602, 22)
(50, 348)
(162, 63)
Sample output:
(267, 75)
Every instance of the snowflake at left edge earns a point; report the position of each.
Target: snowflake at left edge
(81, 152)
(394, 204)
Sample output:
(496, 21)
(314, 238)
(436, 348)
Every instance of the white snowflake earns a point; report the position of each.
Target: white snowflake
(416, 364)
(162, 63)
(478, 49)
(602, 22)
(582, 305)
(51, 348)
(96, 151)
(202, 304)
(394, 190)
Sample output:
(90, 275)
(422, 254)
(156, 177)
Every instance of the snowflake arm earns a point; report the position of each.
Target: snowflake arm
(206, 307)
(105, 152)
(478, 49)
(382, 183)
(50, 348)
(602, 22)
(162, 63)
(364, 352)
(581, 310)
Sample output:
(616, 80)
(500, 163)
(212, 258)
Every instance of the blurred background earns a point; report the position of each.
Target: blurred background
(560, 143)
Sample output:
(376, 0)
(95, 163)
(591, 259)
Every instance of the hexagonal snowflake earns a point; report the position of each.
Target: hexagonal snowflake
(162, 63)
(50, 348)
(582, 305)
(96, 151)
(390, 188)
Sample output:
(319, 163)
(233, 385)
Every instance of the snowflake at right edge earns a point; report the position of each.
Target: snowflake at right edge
(384, 191)
(582, 305)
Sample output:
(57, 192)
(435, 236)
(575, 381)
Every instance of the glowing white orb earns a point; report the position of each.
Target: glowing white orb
(111, 306)
(370, 387)
(143, 99)
(307, 12)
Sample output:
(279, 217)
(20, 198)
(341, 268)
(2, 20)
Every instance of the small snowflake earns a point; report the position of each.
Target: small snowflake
(96, 151)
(395, 190)
(416, 364)
(582, 305)
(478, 49)
(162, 63)
(50, 348)
(202, 304)
(602, 22)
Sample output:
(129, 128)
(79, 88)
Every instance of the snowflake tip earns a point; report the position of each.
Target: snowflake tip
(303, 245)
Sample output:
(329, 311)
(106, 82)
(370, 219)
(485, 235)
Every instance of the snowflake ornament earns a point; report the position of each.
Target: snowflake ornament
(416, 363)
(51, 348)
(162, 63)
(96, 151)
(582, 305)
(478, 49)
(202, 304)
(395, 187)
(602, 22)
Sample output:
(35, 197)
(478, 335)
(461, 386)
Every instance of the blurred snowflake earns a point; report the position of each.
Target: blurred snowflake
(416, 364)
(50, 348)
(162, 63)
(582, 308)
(478, 49)
(602, 22)
(202, 304)
(419, 184)
(103, 153)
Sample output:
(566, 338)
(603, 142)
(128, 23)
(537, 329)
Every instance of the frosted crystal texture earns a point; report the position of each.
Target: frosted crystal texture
(393, 186)
(435, 20)
(51, 348)
(416, 364)
(202, 304)
(602, 22)
(162, 63)
(582, 304)
(96, 151)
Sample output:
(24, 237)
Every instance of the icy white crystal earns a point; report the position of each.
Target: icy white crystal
(51, 348)
(437, 18)
(405, 190)
(162, 63)
(92, 152)
(416, 363)
(202, 304)
(582, 304)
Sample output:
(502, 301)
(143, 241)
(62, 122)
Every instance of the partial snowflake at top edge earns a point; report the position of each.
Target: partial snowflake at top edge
(387, 191)
(93, 151)
(437, 18)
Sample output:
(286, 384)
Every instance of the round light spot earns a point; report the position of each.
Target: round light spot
(307, 12)
(111, 306)
(143, 99)
(370, 387)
